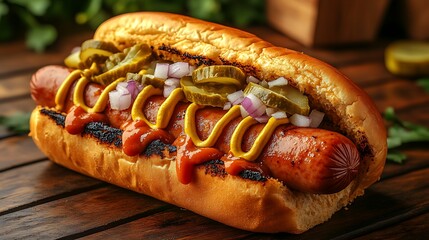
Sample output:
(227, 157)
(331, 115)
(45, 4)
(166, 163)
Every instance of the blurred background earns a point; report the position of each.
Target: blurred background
(315, 23)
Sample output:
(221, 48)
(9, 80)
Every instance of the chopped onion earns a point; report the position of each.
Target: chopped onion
(279, 115)
(264, 83)
(236, 97)
(281, 81)
(316, 118)
(133, 88)
(270, 111)
(169, 85)
(178, 69)
(262, 119)
(300, 120)
(227, 106)
(161, 70)
(243, 112)
(252, 79)
(253, 105)
(122, 88)
(119, 101)
(191, 69)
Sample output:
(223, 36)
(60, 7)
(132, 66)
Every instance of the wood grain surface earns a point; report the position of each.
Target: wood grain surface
(41, 200)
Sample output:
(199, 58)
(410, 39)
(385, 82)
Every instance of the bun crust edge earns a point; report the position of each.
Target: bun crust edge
(176, 37)
(242, 203)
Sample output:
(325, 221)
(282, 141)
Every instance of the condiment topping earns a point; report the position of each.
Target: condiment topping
(218, 86)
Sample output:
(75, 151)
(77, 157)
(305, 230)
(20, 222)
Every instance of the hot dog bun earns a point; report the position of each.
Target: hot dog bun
(256, 206)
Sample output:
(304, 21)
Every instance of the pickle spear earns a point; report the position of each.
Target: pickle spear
(206, 94)
(219, 74)
(133, 60)
(284, 98)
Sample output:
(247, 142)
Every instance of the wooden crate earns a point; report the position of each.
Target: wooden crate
(415, 17)
(327, 22)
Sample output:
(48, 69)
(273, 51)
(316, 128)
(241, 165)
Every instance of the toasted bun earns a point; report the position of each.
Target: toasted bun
(256, 206)
(242, 203)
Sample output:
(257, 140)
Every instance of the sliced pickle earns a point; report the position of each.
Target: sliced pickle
(206, 94)
(286, 98)
(97, 44)
(73, 60)
(136, 57)
(152, 80)
(95, 51)
(147, 79)
(219, 74)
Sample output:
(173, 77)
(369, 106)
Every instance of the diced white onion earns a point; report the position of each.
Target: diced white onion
(169, 85)
(252, 79)
(236, 97)
(281, 81)
(191, 69)
(279, 115)
(300, 120)
(270, 111)
(227, 106)
(119, 101)
(243, 112)
(262, 119)
(178, 69)
(316, 118)
(161, 70)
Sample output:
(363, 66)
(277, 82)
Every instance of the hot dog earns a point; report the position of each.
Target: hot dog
(312, 167)
(205, 148)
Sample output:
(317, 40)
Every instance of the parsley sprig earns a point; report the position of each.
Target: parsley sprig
(400, 132)
(16, 123)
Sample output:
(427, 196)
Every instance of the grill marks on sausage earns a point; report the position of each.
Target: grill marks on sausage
(113, 136)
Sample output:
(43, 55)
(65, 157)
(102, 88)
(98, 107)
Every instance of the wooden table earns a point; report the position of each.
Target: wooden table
(39, 199)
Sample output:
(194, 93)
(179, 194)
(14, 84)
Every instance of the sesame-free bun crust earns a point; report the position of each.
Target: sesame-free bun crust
(246, 204)
(256, 206)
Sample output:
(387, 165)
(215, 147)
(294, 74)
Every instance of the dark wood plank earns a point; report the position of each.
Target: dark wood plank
(368, 73)
(417, 158)
(414, 228)
(398, 93)
(14, 86)
(386, 200)
(79, 213)
(173, 224)
(37, 182)
(18, 150)
(25, 104)
(26, 59)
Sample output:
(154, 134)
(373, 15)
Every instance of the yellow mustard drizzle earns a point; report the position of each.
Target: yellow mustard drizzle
(100, 105)
(261, 140)
(61, 95)
(165, 110)
(190, 126)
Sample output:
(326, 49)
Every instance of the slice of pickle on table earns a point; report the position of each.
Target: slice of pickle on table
(219, 74)
(286, 98)
(206, 94)
(135, 58)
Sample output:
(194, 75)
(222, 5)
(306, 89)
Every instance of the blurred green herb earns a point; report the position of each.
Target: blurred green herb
(424, 83)
(401, 132)
(40, 20)
(17, 123)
